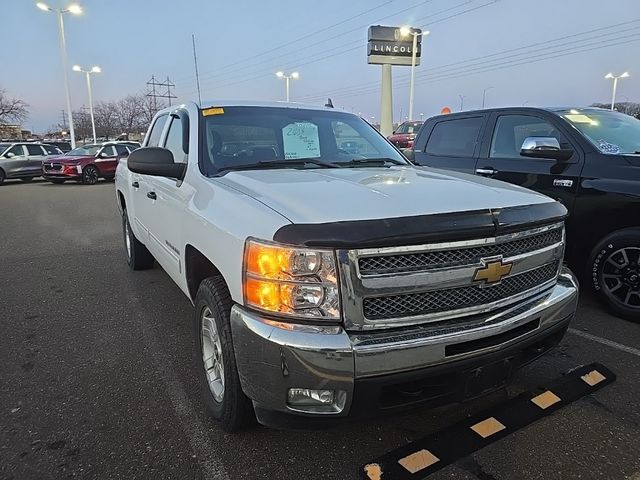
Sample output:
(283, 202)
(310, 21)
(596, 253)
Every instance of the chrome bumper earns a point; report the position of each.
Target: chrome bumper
(273, 357)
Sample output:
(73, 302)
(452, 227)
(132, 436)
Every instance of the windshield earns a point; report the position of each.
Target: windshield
(84, 150)
(611, 132)
(409, 127)
(237, 137)
(3, 147)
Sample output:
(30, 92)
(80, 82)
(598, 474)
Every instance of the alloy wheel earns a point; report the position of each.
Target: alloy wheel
(621, 276)
(212, 354)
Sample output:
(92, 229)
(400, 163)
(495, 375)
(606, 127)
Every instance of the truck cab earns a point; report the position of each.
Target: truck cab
(330, 283)
(586, 158)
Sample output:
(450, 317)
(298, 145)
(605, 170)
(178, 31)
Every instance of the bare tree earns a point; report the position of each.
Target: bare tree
(105, 114)
(129, 114)
(12, 109)
(630, 108)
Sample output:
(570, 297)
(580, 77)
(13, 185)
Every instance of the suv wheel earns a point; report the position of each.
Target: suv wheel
(615, 272)
(138, 257)
(216, 359)
(90, 175)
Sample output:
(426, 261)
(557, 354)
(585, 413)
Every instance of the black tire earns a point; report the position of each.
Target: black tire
(2, 176)
(234, 410)
(27, 179)
(138, 257)
(90, 175)
(57, 181)
(614, 272)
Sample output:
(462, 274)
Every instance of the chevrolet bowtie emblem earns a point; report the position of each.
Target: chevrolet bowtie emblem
(492, 272)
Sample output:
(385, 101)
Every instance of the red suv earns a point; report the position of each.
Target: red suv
(86, 164)
(404, 135)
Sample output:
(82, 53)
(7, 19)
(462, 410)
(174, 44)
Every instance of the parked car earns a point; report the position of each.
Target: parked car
(23, 160)
(86, 164)
(329, 283)
(404, 135)
(587, 158)
(64, 146)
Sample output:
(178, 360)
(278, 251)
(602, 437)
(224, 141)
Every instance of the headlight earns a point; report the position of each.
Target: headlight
(296, 282)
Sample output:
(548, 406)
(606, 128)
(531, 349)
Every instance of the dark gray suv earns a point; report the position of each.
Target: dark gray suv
(23, 160)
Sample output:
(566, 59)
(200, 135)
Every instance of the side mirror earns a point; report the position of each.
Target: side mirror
(155, 161)
(409, 154)
(10, 155)
(544, 147)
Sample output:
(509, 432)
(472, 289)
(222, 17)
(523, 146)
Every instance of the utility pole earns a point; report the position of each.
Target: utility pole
(64, 119)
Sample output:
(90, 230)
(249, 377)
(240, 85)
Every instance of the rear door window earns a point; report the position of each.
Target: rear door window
(455, 138)
(35, 150)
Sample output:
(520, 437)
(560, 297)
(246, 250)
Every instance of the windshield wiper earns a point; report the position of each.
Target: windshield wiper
(293, 163)
(371, 162)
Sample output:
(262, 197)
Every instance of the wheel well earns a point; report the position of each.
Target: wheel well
(197, 268)
(121, 201)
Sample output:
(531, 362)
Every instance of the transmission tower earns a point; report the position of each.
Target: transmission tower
(160, 90)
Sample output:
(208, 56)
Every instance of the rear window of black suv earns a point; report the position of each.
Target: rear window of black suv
(456, 137)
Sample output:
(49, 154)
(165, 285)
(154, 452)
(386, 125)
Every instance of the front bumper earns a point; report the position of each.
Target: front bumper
(388, 370)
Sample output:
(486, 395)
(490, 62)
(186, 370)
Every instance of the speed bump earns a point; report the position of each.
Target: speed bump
(429, 454)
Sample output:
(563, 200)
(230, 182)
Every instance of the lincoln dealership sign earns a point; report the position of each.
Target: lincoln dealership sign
(387, 45)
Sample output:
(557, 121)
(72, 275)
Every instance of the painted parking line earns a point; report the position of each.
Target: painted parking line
(429, 454)
(604, 341)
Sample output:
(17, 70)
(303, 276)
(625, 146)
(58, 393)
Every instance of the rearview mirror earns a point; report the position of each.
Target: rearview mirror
(409, 154)
(544, 147)
(155, 161)
(10, 155)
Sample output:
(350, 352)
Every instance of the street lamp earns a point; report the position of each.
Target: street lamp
(615, 85)
(294, 75)
(94, 69)
(406, 31)
(73, 9)
(484, 95)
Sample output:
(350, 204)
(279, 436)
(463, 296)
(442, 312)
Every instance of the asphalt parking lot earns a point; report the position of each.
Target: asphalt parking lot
(97, 382)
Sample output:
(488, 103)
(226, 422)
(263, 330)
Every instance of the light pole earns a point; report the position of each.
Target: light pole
(405, 31)
(615, 85)
(484, 95)
(74, 9)
(461, 102)
(94, 69)
(294, 75)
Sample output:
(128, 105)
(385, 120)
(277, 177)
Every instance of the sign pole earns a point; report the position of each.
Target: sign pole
(386, 102)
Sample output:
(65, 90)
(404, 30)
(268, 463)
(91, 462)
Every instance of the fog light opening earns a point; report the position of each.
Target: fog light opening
(316, 401)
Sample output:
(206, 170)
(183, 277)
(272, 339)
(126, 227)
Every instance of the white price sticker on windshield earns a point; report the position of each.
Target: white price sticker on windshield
(301, 140)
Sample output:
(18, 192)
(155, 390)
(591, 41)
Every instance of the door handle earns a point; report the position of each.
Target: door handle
(486, 171)
(135, 185)
(152, 195)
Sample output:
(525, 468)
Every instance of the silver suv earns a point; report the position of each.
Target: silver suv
(23, 160)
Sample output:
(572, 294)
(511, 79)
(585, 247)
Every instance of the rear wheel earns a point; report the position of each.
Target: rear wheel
(216, 359)
(615, 272)
(138, 257)
(90, 175)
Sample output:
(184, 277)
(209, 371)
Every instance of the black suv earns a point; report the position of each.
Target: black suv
(588, 158)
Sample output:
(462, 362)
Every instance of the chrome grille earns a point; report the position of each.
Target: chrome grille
(412, 262)
(398, 306)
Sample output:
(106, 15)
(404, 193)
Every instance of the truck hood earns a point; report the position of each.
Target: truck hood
(342, 194)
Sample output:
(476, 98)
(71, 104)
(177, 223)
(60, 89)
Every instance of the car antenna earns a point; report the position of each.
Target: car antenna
(329, 103)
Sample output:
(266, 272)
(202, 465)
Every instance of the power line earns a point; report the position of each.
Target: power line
(463, 64)
(329, 54)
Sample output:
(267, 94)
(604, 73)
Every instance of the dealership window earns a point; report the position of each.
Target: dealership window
(455, 138)
(511, 130)
(156, 131)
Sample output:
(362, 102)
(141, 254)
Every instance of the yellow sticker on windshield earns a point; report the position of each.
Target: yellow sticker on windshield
(579, 118)
(212, 111)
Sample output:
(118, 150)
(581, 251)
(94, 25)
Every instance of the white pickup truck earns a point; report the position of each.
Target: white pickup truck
(331, 278)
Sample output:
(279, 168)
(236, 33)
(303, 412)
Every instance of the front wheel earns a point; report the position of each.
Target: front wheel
(138, 257)
(90, 175)
(615, 272)
(215, 358)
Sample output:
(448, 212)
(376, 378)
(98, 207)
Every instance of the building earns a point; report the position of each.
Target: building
(10, 132)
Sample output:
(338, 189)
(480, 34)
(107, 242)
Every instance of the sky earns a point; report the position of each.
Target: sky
(524, 52)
